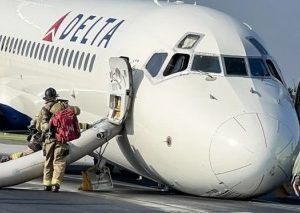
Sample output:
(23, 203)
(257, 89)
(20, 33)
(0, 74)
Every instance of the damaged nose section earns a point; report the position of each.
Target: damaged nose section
(251, 154)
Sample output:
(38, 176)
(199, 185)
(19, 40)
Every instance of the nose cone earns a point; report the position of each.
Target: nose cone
(250, 154)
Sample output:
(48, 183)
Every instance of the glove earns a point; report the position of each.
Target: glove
(29, 137)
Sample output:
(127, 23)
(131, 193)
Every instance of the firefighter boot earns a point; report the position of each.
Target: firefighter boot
(47, 188)
(4, 159)
(55, 188)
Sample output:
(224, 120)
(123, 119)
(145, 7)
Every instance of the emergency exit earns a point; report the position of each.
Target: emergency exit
(120, 89)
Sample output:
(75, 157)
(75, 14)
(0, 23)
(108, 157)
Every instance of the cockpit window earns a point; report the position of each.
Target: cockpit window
(257, 67)
(235, 66)
(273, 70)
(258, 46)
(189, 41)
(178, 63)
(206, 64)
(155, 63)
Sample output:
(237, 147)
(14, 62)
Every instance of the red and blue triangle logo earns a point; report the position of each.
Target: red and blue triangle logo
(52, 31)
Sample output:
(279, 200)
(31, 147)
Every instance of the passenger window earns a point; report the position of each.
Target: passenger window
(60, 56)
(206, 64)
(75, 59)
(55, 54)
(41, 51)
(28, 48)
(32, 50)
(155, 63)
(86, 62)
(178, 63)
(23, 48)
(46, 53)
(235, 66)
(50, 54)
(3, 42)
(11, 45)
(258, 67)
(70, 58)
(7, 44)
(92, 63)
(273, 70)
(19, 46)
(15, 46)
(37, 50)
(81, 60)
(65, 57)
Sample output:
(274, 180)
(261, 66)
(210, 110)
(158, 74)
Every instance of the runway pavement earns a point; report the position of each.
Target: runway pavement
(126, 197)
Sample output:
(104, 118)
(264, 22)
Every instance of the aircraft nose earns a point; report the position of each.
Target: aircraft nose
(251, 154)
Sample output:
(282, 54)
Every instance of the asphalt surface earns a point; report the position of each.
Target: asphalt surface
(128, 195)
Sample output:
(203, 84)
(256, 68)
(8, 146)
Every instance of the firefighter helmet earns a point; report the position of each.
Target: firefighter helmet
(50, 94)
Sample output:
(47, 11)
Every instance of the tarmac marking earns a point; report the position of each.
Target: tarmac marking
(150, 204)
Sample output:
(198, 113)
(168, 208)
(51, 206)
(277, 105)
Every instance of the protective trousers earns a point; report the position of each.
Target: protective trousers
(17, 155)
(55, 163)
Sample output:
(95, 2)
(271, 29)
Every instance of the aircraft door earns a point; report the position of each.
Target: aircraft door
(120, 89)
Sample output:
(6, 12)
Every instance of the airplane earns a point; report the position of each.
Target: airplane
(206, 112)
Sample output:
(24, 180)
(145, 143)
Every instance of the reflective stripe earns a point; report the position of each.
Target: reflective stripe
(15, 155)
(55, 181)
(84, 126)
(47, 182)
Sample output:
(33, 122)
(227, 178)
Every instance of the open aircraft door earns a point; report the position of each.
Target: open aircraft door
(120, 89)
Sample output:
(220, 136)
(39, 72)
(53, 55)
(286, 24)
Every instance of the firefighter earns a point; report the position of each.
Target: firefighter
(35, 141)
(55, 151)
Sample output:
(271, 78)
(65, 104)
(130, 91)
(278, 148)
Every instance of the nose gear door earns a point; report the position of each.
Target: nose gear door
(120, 89)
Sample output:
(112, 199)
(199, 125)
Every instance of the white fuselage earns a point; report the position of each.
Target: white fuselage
(229, 135)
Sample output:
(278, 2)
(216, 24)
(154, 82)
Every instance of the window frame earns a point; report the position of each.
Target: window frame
(168, 60)
(235, 56)
(201, 36)
(208, 54)
(265, 64)
(162, 66)
(277, 70)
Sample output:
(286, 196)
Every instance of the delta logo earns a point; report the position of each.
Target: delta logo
(89, 30)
